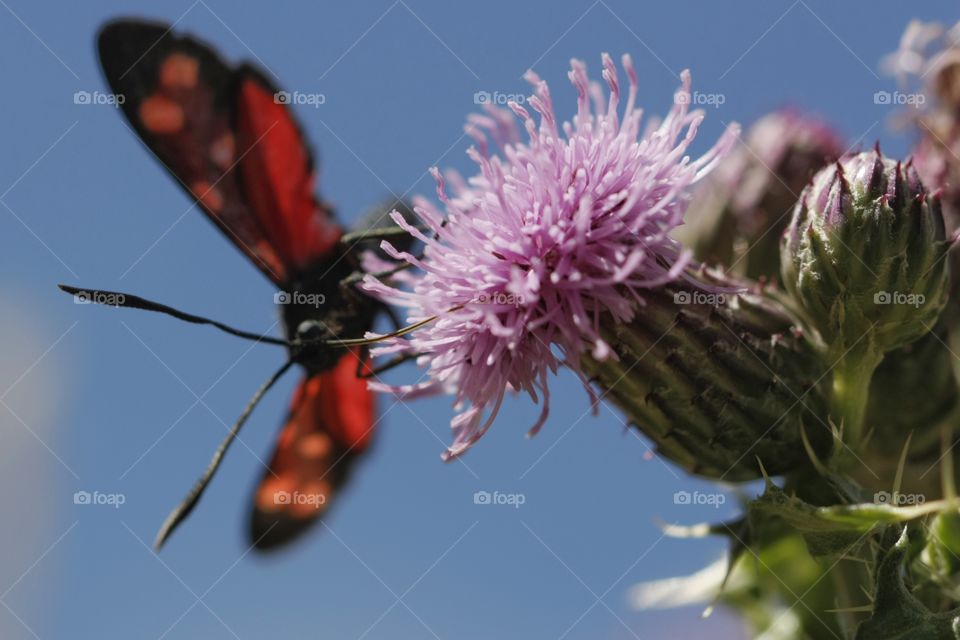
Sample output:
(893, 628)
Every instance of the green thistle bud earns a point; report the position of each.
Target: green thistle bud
(863, 258)
(717, 381)
(864, 253)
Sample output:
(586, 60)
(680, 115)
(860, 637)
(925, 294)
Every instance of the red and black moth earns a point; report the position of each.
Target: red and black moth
(234, 146)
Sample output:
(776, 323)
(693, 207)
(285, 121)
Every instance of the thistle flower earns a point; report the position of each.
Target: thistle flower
(864, 259)
(556, 232)
(737, 215)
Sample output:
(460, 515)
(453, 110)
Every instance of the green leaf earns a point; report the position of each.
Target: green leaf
(834, 529)
(897, 614)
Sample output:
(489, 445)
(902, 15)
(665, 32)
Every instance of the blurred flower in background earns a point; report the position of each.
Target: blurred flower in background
(928, 61)
(32, 391)
(738, 214)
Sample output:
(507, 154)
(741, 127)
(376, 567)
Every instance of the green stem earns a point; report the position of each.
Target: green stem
(851, 388)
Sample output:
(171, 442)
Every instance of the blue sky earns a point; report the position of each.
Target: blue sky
(126, 403)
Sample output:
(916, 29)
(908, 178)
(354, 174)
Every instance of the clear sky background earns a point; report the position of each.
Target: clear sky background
(95, 399)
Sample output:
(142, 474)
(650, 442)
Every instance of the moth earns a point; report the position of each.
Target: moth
(227, 136)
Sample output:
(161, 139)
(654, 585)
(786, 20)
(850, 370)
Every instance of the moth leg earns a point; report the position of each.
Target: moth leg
(381, 233)
(364, 370)
(358, 275)
(368, 372)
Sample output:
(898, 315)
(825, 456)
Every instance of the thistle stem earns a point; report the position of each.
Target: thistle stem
(851, 389)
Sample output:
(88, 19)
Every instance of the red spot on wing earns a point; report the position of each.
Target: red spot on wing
(223, 151)
(268, 497)
(179, 71)
(315, 446)
(208, 195)
(161, 115)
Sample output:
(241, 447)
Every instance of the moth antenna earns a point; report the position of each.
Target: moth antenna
(386, 366)
(180, 513)
(402, 331)
(117, 299)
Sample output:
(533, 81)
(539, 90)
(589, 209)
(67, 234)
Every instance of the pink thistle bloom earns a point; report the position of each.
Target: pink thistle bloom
(572, 224)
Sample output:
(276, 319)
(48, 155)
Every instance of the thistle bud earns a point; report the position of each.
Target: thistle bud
(718, 382)
(864, 254)
(863, 258)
